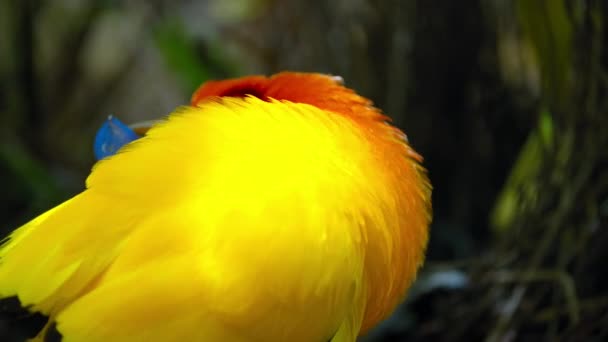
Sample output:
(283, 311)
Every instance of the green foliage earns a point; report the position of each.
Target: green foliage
(180, 54)
(520, 193)
(192, 61)
(547, 26)
(30, 180)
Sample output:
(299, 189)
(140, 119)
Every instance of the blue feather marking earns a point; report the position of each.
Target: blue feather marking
(111, 136)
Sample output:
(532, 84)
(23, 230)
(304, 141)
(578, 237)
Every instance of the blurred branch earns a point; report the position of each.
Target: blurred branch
(563, 279)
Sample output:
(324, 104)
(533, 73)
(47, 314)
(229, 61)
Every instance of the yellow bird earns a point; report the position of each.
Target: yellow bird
(270, 209)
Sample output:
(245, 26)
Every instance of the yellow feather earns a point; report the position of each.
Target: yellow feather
(238, 220)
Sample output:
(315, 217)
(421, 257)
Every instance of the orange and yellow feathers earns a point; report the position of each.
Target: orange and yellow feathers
(270, 209)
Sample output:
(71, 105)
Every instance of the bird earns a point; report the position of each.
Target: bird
(269, 208)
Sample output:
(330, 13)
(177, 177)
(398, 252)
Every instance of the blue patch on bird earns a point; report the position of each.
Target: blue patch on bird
(111, 136)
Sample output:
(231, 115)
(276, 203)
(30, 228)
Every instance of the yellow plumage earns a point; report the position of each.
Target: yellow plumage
(235, 220)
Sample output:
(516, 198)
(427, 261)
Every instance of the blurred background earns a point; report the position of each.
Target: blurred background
(506, 100)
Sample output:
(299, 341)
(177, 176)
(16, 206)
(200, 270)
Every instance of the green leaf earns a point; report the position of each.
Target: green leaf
(180, 54)
(546, 128)
(548, 28)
